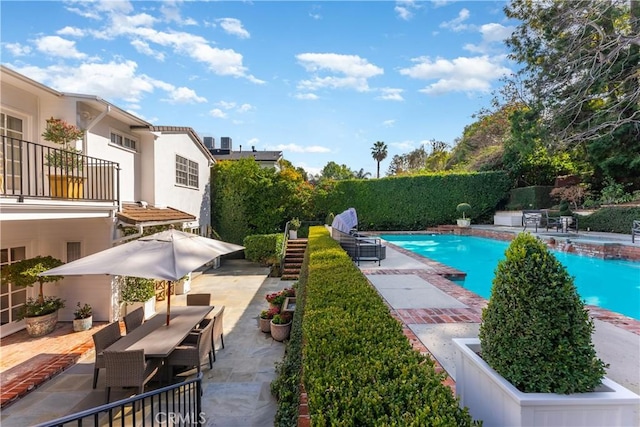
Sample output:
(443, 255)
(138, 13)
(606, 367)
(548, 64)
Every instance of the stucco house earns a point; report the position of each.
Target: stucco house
(132, 174)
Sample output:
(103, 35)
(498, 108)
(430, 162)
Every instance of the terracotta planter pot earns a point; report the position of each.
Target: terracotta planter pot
(41, 325)
(280, 332)
(265, 325)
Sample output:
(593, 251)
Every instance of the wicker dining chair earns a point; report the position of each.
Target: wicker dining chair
(193, 349)
(198, 299)
(128, 369)
(134, 319)
(101, 340)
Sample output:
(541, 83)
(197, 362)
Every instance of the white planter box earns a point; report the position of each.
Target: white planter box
(496, 402)
(149, 307)
(293, 234)
(183, 286)
(508, 218)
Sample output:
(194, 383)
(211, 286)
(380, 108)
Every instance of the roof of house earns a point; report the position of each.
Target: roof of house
(184, 129)
(138, 213)
(260, 156)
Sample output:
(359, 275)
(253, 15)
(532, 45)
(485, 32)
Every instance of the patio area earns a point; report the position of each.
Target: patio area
(236, 391)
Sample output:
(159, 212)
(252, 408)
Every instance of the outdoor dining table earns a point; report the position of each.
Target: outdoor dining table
(159, 339)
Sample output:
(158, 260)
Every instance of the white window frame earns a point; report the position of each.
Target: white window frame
(122, 140)
(187, 172)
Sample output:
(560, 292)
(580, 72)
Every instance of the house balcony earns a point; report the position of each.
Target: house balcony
(42, 177)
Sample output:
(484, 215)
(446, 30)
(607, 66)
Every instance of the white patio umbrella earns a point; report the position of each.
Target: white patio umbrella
(168, 255)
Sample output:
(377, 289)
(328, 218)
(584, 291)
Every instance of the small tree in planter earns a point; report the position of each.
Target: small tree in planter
(535, 331)
(463, 208)
(537, 356)
(26, 273)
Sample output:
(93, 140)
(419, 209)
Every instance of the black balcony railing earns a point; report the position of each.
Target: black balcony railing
(30, 170)
(175, 405)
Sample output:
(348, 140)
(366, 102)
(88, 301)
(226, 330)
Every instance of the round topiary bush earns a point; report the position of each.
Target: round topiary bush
(535, 331)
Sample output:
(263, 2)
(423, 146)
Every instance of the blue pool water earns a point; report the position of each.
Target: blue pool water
(610, 284)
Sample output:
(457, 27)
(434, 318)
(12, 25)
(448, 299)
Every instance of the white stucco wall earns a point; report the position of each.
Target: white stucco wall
(167, 192)
(50, 237)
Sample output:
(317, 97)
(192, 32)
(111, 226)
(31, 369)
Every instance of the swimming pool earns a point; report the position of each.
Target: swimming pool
(610, 284)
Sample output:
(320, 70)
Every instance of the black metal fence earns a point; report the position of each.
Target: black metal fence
(39, 171)
(175, 405)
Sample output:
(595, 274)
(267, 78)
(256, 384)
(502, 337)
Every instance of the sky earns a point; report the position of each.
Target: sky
(319, 80)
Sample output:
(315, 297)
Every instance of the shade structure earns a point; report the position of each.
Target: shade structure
(168, 255)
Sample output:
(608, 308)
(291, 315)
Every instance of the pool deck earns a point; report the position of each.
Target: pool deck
(431, 308)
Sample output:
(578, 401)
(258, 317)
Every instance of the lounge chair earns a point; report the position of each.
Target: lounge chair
(635, 230)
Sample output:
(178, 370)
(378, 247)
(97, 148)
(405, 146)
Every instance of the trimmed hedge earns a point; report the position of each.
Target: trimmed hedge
(415, 202)
(610, 220)
(263, 248)
(358, 367)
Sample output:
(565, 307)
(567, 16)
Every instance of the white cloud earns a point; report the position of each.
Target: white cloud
(492, 33)
(404, 9)
(71, 31)
(183, 95)
(58, 47)
(404, 146)
(457, 24)
(227, 105)
(245, 108)
(17, 49)
(311, 96)
(122, 23)
(113, 80)
(253, 141)
(391, 94)
(234, 27)
(295, 148)
(388, 123)
(218, 113)
(353, 71)
(461, 74)
(144, 48)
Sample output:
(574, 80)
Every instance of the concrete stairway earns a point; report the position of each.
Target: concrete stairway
(293, 259)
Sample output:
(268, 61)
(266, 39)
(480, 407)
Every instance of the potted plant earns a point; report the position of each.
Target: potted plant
(40, 314)
(281, 326)
(265, 318)
(566, 216)
(82, 317)
(294, 226)
(534, 362)
(138, 292)
(65, 181)
(464, 208)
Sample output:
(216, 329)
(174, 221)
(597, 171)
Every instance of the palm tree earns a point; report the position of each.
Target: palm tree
(361, 174)
(379, 153)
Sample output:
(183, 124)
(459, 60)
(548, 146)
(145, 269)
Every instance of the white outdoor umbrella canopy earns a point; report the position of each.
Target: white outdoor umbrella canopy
(168, 255)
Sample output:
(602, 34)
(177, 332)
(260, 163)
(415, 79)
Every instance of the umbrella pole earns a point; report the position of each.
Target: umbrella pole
(168, 301)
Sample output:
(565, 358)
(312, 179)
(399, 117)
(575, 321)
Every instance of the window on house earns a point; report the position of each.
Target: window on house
(73, 251)
(186, 172)
(11, 297)
(123, 141)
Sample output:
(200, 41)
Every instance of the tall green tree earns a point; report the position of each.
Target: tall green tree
(580, 72)
(337, 172)
(379, 153)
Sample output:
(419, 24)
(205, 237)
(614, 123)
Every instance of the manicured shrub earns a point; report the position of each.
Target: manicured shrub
(535, 331)
(611, 219)
(358, 367)
(263, 248)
